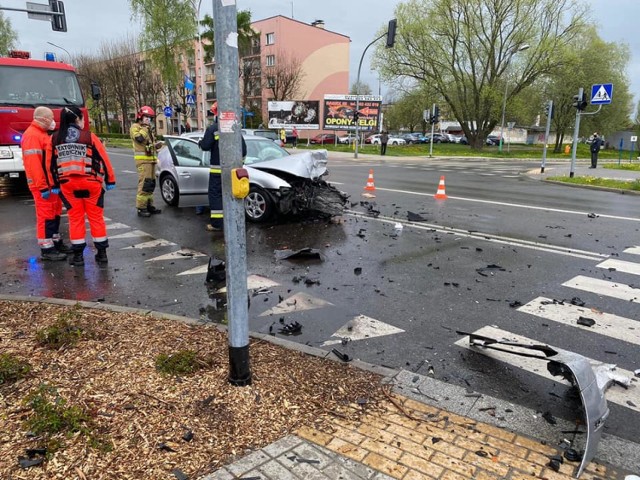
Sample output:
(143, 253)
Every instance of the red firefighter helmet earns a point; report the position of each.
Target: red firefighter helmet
(145, 112)
(214, 108)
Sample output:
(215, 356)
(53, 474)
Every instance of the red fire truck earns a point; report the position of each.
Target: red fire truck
(27, 84)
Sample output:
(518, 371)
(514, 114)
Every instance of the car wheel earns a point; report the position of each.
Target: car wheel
(258, 205)
(169, 190)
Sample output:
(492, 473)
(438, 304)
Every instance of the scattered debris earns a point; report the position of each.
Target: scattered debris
(361, 233)
(294, 458)
(435, 440)
(292, 328)
(489, 268)
(306, 253)
(587, 322)
(179, 474)
(549, 418)
(415, 217)
(515, 304)
(637, 372)
(25, 462)
(216, 271)
(165, 447)
(593, 215)
(371, 210)
(482, 453)
(572, 455)
(577, 301)
(188, 436)
(554, 465)
(357, 270)
(342, 356)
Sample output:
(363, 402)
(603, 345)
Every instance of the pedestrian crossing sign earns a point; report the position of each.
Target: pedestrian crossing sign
(601, 93)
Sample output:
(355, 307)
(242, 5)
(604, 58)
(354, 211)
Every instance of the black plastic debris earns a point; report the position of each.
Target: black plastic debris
(32, 452)
(311, 281)
(342, 356)
(306, 253)
(216, 270)
(357, 270)
(489, 268)
(291, 328)
(482, 453)
(435, 440)
(549, 418)
(415, 217)
(578, 302)
(25, 462)
(361, 233)
(593, 215)
(188, 436)
(163, 446)
(554, 465)
(179, 474)
(572, 455)
(371, 208)
(295, 458)
(515, 304)
(585, 321)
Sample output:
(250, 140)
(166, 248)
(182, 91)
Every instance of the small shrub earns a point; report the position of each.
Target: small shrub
(62, 333)
(12, 368)
(179, 363)
(52, 415)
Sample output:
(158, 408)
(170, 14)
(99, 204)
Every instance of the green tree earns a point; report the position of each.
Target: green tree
(168, 27)
(246, 35)
(8, 35)
(468, 49)
(360, 88)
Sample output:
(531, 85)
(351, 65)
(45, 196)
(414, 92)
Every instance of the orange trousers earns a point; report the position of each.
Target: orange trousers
(84, 196)
(47, 218)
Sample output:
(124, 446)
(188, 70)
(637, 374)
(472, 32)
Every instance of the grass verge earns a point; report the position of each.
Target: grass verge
(633, 185)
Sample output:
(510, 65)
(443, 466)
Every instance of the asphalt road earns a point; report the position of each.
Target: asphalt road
(482, 257)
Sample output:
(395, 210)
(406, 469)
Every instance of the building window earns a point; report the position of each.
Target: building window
(271, 38)
(271, 82)
(271, 60)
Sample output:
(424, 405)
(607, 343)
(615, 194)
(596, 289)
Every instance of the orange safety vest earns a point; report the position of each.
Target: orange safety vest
(80, 158)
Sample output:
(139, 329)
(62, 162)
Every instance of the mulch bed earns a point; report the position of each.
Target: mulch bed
(149, 424)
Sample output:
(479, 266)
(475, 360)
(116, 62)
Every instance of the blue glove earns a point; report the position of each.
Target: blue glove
(55, 191)
(110, 186)
(45, 195)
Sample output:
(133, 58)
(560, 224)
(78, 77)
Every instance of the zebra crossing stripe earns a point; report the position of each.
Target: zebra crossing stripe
(117, 226)
(362, 327)
(297, 303)
(621, 266)
(609, 325)
(150, 244)
(182, 254)
(254, 282)
(604, 287)
(202, 269)
(633, 250)
(628, 398)
(132, 234)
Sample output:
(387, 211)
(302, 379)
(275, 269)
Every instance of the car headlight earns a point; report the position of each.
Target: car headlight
(6, 153)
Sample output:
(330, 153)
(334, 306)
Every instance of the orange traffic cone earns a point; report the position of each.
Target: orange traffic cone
(370, 186)
(440, 193)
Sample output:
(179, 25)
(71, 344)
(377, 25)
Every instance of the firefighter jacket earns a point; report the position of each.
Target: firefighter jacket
(209, 143)
(36, 152)
(144, 143)
(83, 155)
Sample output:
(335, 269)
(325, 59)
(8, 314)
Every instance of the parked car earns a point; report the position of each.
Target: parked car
(323, 138)
(393, 140)
(414, 137)
(437, 138)
(279, 183)
(493, 140)
(266, 133)
(463, 140)
(349, 138)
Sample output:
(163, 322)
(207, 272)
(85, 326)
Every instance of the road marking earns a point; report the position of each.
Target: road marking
(486, 237)
(296, 303)
(362, 327)
(621, 266)
(117, 226)
(202, 269)
(603, 287)
(607, 324)
(254, 282)
(615, 393)
(132, 234)
(182, 254)
(507, 204)
(150, 244)
(633, 250)
(128, 171)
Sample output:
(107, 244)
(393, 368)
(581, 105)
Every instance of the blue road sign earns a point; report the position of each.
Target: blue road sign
(601, 93)
(190, 99)
(168, 111)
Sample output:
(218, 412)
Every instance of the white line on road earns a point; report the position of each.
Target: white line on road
(487, 237)
(603, 287)
(621, 266)
(633, 250)
(607, 324)
(182, 254)
(615, 393)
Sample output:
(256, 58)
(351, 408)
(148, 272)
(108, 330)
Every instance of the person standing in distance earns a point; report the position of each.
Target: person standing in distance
(295, 137)
(596, 144)
(79, 168)
(36, 153)
(384, 139)
(145, 148)
(209, 143)
(283, 137)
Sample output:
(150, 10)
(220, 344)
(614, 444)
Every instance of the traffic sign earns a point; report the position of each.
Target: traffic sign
(426, 115)
(191, 99)
(601, 93)
(634, 138)
(168, 112)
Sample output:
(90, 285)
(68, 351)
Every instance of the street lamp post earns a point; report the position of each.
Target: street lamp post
(520, 48)
(200, 60)
(61, 48)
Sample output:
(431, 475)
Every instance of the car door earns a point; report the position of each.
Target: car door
(192, 169)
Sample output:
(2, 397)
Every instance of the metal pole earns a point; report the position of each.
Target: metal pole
(226, 56)
(61, 48)
(504, 108)
(546, 136)
(576, 132)
(358, 88)
(433, 126)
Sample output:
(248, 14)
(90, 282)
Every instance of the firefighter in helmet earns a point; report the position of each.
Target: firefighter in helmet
(145, 148)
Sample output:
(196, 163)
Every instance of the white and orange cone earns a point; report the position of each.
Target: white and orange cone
(440, 194)
(370, 187)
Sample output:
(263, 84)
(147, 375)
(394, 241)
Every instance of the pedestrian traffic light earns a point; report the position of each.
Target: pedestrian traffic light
(580, 103)
(435, 117)
(391, 33)
(58, 22)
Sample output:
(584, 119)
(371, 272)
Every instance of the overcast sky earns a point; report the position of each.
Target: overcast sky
(91, 22)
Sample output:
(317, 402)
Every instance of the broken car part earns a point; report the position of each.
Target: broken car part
(590, 381)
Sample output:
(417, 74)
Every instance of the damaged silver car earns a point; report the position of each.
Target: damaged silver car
(280, 183)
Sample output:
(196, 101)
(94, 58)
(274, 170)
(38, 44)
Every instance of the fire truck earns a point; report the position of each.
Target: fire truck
(27, 84)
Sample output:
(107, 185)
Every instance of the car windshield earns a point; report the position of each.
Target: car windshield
(39, 86)
(262, 150)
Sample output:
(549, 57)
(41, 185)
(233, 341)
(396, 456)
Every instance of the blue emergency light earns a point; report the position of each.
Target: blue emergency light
(17, 137)
(50, 57)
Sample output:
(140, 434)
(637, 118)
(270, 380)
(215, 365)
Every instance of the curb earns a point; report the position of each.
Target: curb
(593, 187)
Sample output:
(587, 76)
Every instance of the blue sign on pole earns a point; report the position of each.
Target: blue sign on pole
(190, 99)
(168, 112)
(601, 93)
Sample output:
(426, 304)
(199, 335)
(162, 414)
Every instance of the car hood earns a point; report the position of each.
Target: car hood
(311, 164)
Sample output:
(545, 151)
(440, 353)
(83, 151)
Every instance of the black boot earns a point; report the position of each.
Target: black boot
(62, 248)
(52, 255)
(143, 212)
(77, 260)
(101, 256)
(153, 210)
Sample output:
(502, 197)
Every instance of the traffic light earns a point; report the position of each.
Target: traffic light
(548, 109)
(356, 116)
(580, 103)
(435, 117)
(391, 33)
(58, 22)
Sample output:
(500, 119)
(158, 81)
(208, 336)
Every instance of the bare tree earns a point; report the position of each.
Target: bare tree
(284, 78)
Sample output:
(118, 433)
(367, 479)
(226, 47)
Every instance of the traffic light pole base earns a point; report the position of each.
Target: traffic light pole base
(239, 370)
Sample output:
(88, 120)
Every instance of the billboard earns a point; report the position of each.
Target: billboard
(302, 114)
(339, 110)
